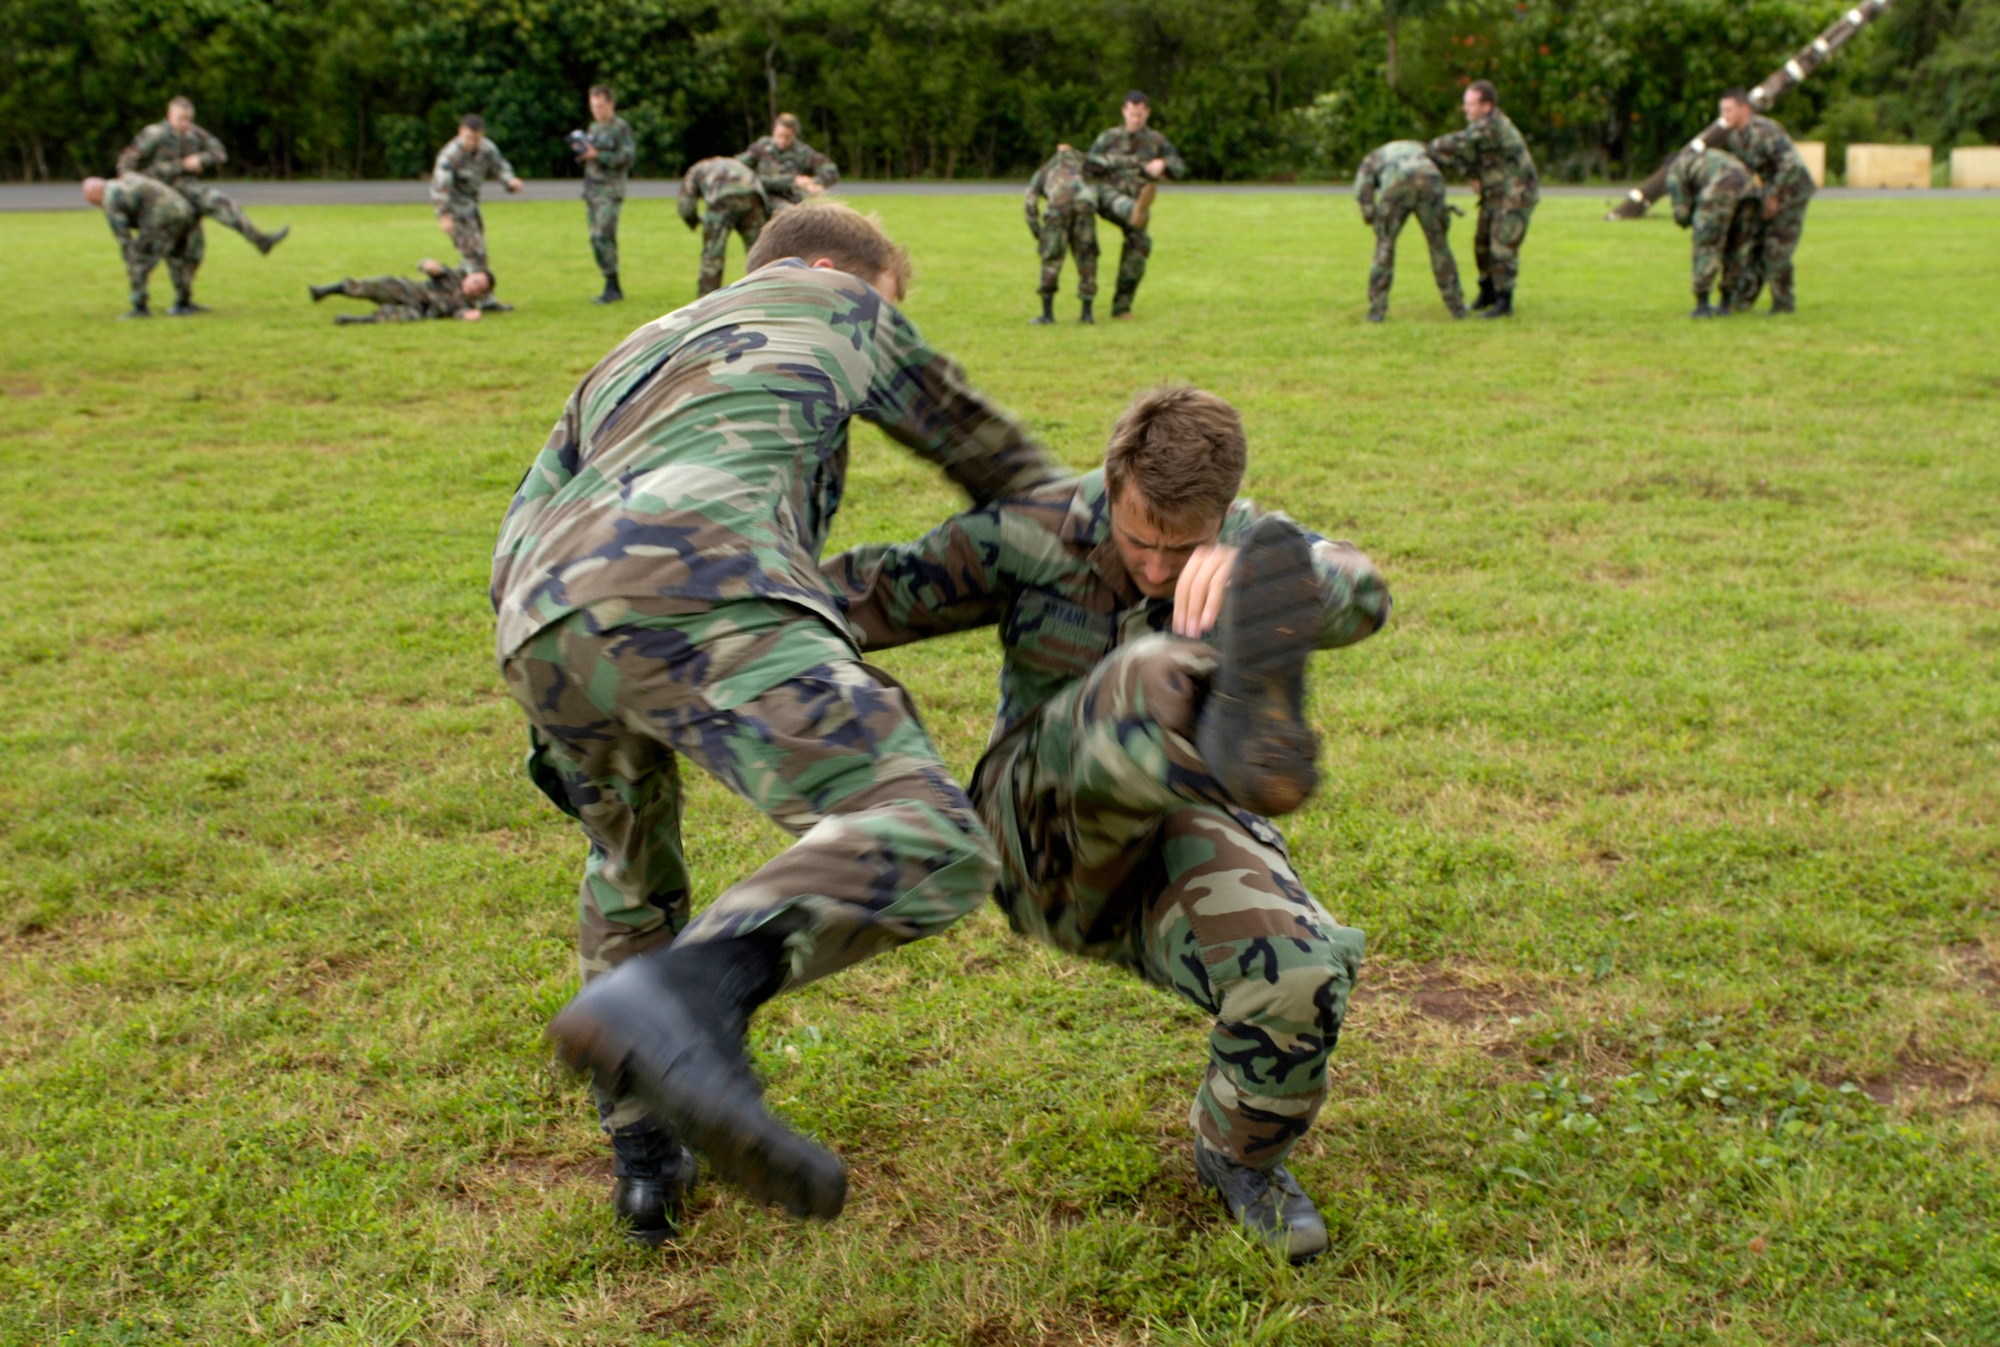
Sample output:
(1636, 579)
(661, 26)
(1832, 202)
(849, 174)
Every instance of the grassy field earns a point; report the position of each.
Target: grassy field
(1668, 801)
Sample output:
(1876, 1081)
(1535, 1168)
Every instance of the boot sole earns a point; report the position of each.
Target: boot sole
(1252, 735)
(1142, 209)
(674, 1065)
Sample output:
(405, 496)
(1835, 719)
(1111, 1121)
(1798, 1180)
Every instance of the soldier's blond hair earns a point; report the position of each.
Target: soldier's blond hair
(788, 121)
(180, 101)
(853, 242)
(1184, 449)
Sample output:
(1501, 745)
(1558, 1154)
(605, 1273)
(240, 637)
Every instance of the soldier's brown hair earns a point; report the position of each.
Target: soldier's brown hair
(1184, 449)
(1485, 89)
(180, 101)
(788, 121)
(603, 91)
(1737, 95)
(472, 121)
(853, 242)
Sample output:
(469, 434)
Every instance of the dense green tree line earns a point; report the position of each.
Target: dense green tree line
(960, 88)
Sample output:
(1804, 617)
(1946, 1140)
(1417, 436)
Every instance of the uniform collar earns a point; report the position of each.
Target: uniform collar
(1087, 528)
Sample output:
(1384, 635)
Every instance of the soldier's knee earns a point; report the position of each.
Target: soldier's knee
(1163, 676)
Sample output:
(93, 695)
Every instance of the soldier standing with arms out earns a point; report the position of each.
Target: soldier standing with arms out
(463, 166)
(1070, 222)
(152, 223)
(791, 170)
(1715, 195)
(1129, 768)
(1393, 183)
(177, 153)
(658, 595)
(735, 200)
(1128, 162)
(1492, 152)
(1768, 152)
(609, 149)
(445, 292)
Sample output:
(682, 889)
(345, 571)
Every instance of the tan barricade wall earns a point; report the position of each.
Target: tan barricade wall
(1975, 166)
(1814, 153)
(1888, 165)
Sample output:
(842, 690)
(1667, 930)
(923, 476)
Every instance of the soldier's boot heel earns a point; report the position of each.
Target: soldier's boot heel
(1503, 305)
(1048, 313)
(320, 292)
(612, 292)
(1702, 308)
(1086, 318)
(1252, 733)
(670, 1030)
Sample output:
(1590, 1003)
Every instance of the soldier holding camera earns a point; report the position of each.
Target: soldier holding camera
(607, 151)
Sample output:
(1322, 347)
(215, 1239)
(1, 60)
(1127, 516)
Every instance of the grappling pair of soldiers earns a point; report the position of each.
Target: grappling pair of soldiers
(660, 595)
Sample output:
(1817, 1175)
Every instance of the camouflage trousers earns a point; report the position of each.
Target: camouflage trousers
(1116, 843)
(401, 299)
(745, 216)
(1725, 248)
(774, 704)
(468, 235)
(1075, 232)
(210, 203)
(1777, 240)
(182, 253)
(1435, 221)
(1116, 207)
(1496, 243)
(602, 202)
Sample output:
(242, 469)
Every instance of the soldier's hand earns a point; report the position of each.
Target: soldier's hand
(589, 150)
(810, 186)
(469, 315)
(513, 184)
(1770, 208)
(1198, 593)
(192, 163)
(446, 223)
(1156, 168)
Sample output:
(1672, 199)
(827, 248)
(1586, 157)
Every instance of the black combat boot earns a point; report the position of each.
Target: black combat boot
(1121, 302)
(1048, 314)
(320, 292)
(266, 242)
(1378, 315)
(1779, 306)
(350, 319)
(1502, 306)
(185, 307)
(1086, 318)
(141, 308)
(1702, 308)
(1253, 733)
(612, 294)
(1486, 296)
(656, 1175)
(669, 1027)
(1268, 1203)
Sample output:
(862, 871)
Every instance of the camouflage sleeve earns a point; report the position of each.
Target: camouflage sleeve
(1679, 190)
(121, 228)
(1102, 156)
(620, 151)
(749, 157)
(1176, 166)
(686, 204)
(1354, 599)
(1366, 179)
(922, 400)
(496, 163)
(949, 580)
(441, 177)
(1032, 202)
(211, 152)
(823, 170)
(132, 159)
(1455, 152)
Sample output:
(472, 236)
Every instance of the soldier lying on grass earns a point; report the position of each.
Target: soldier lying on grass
(1132, 764)
(446, 292)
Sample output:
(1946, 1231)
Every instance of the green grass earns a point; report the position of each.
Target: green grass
(1668, 801)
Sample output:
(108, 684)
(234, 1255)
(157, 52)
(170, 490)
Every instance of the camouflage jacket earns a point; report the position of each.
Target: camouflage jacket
(779, 167)
(1062, 181)
(1400, 171)
(617, 149)
(1046, 569)
(1714, 178)
(135, 204)
(720, 182)
(158, 151)
(1491, 152)
(704, 458)
(1119, 157)
(460, 172)
(1768, 152)
(443, 295)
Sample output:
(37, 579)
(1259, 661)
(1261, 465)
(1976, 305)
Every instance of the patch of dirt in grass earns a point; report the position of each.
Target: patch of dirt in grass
(20, 388)
(1915, 1081)
(1972, 965)
(1435, 992)
(484, 1185)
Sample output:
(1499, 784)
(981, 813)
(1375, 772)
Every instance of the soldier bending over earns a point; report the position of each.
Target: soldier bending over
(177, 153)
(659, 596)
(152, 223)
(736, 200)
(1393, 183)
(1132, 765)
(1715, 195)
(446, 292)
(1070, 222)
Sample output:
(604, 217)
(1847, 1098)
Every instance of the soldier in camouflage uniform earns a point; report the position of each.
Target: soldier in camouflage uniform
(152, 223)
(1768, 152)
(463, 166)
(1069, 223)
(735, 200)
(1715, 195)
(659, 596)
(1393, 183)
(790, 169)
(608, 154)
(1493, 153)
(1118, 840)
(177, 153)
(445, 292)
(1127, 163)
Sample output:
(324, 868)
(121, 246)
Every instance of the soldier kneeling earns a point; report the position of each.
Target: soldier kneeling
(446, 292)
